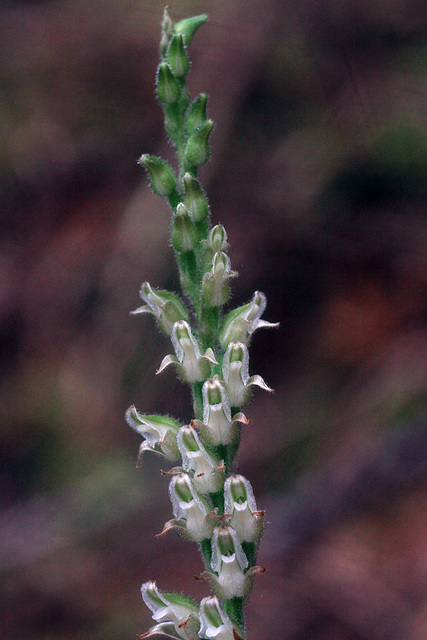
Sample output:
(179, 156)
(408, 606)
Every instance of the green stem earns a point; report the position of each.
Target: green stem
(206, 551)
(188, 271)
(196, 390)
(217, 500)
(209, 325)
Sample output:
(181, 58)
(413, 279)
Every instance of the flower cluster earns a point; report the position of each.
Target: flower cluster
(211, 505)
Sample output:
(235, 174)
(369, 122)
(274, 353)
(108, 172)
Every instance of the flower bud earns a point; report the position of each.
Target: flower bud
(165, 306)
(235, 372)
(160, 433)
(215, 623)
(189, 26)
(216, 241)
(162, 177)
(192, 512)
(215, 287)
(197, 147)
(195, 199)
(176, 613)
(208, 473)
(177, 57)
(168, 89)
(197, 113)
(184, 232)
(240, 324)
(240, 504)
(166, 32)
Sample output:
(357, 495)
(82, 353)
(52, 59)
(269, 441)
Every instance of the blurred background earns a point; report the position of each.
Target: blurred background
(318, 172)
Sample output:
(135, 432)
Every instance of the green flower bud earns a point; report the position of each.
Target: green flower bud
(197, 113)
(162, 177)
(168, 89)
(195, 199)
(166, 33)
(189, 26)
(217, 239)
(184, 232)
(197, 147)
(177, 58)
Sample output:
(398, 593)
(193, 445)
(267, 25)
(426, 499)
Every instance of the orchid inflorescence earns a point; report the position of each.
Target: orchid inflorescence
(211, 505)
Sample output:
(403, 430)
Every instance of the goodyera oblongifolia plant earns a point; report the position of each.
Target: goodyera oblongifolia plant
(212, 506)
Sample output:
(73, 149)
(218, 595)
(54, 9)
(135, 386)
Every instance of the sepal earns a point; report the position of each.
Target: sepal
(194, 198)
(240, 323)
(184, 232)
(235, 372)
(189, 26)
(196, 113)
(168, 88)
(177, 57)
(165, 306)
(197, 147)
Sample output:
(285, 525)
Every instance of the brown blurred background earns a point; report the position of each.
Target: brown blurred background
(319, 175)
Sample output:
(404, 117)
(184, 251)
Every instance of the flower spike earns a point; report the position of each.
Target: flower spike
(210, 507)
